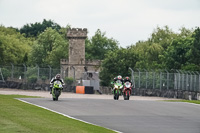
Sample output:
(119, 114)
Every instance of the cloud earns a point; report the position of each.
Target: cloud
(127, 21)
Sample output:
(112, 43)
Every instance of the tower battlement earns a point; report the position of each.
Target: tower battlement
(87, 62)
(93, 62)
(77, 33)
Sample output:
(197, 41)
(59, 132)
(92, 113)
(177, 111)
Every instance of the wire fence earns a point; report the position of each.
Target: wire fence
(176, 83)
(28, 74)
(143, 79)
(165, 80)
(37, 78)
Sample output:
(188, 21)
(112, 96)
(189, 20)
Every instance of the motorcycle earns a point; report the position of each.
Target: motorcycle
(56, 90)
(117, 89)
(127, 90)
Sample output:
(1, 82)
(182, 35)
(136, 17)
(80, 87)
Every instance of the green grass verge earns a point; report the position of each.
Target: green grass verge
(17, 116)
(189, 101)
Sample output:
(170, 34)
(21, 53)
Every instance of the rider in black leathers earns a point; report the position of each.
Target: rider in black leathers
(127, 79)
(119, 78)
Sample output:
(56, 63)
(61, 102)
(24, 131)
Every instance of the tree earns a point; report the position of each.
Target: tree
(176, 56)
(183, 52)
(99, 45)
(163, 36)
(14, 47)
(63, 31)
(148, 54)
(117, 63)
(195, 49)
(33, 30)
(49, 48)
(152, 52)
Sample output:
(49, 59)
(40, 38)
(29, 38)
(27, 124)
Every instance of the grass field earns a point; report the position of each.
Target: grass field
(17, 116)
(189, 101)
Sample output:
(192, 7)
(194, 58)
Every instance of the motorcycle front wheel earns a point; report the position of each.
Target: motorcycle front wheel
(56, 94)
(126, 95)
(116, 94)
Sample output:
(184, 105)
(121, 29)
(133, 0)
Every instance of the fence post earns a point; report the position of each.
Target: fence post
(24, 80)
(139, 78)
(12, 71)
(132, 77)
(153, 79)
(49, 72)
(160, 79)
(178, 87)
(167, 79)
(194, 81)
(183, 78)
(190, 82)
(24, 72)
(187, 84)
(38, 73)
(199, 82)
(146, 78)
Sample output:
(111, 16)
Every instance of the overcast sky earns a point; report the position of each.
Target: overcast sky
(127, 21)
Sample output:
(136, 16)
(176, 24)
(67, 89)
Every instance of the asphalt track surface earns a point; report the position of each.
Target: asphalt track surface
(133, 116)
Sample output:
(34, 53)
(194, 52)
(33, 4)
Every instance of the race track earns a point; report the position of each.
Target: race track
(134, 116)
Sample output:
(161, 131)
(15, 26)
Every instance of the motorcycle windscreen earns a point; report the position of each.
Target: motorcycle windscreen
(128, 85)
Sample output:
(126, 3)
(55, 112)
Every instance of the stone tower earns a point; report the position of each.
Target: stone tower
(77, 45)
(76, 60)
(76, 64)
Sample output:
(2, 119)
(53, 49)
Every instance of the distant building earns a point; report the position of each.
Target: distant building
(76, 65)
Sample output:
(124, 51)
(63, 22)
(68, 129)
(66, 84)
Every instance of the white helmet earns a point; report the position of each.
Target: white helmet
(119, 77)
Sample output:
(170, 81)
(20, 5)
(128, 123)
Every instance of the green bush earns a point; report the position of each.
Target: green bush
(43, 78)
(31, 71)
(32, 79)
(68, 80)
(6, 73)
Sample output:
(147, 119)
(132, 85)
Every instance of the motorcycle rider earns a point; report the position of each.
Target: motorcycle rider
(127, 79)
(56, 78)
(119, 78)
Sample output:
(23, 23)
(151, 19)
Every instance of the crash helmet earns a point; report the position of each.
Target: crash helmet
(57, 76)
(119, 77)
(127, 78)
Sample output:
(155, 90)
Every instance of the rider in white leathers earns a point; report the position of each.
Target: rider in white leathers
(57, 77)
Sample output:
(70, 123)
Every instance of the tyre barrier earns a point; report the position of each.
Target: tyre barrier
(85, 89)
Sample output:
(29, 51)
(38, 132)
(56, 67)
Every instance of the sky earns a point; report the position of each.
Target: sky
(127, 21)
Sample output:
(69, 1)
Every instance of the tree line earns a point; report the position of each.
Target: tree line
(46, 43)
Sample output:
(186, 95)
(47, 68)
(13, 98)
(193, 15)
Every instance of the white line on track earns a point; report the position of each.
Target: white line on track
(64, 114)
(193, 104)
